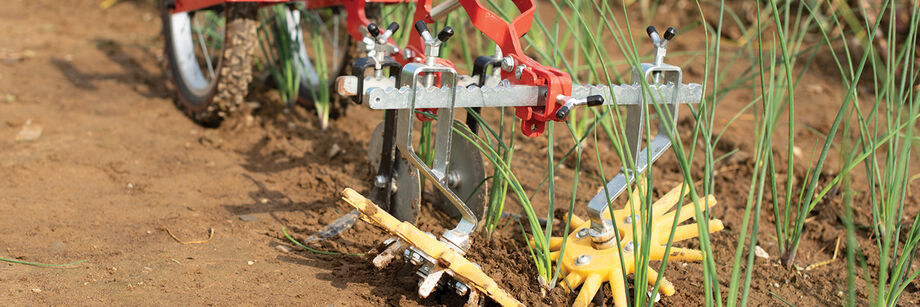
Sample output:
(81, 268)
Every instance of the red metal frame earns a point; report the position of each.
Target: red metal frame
(506, 35)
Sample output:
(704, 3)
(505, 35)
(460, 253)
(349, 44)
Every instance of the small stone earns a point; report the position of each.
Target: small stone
(248, 218)
(29, 132)
(657, 296)
(37, 290)
(263, 200)
(58, 246)
(776, 285)
(797, 152)
(817, 89)
(283, 249)
(148, 269)
(759, 252)
(130, 185)
(335, 150)
(250, 262)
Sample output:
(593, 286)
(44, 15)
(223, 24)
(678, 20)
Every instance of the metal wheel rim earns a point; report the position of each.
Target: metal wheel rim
(187, 43)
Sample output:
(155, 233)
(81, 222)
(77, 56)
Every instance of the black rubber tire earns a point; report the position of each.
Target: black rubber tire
(233, 70)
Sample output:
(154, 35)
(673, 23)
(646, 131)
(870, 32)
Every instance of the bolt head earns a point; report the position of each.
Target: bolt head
(581, 233)
(453, 179)
(508, 63)
(461, 288)
(582, 260)
(519, 71)
(630, 218)
(628, 247)
(380, 181)
(414, 257)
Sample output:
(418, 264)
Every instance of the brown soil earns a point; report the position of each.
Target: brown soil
(117, 164)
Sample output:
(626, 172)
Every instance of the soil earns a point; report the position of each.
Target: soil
(117, 164)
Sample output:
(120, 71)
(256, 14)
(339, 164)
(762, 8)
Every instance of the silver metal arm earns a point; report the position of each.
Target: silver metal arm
(507, 95)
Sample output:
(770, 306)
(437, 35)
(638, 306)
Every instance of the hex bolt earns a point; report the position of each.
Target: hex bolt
(629, 219)
(628, 247)
(519, 71)
(453, 179)
(380, 181)
(582, 260)
(581, 233)
(461, 288)
(508, 63)
(414, 257)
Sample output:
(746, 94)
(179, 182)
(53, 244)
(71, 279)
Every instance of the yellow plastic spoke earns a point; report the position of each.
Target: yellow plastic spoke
(667, 288)
(555, 243)
(588, 290)
(670, 199)
(572, 281)
(691, 231)
(618, 288)
(687, 211)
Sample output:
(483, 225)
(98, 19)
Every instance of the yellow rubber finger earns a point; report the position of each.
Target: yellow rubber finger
(555, 243)
(576, 223)
(667, 288)
(691, 231)
(553, 256)
(688, 211)
(670, 199)
(637, 193)
(618, 288)
(684, 254)
(571, 281)
(588, 290)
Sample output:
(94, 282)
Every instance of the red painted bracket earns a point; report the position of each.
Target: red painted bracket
(507, 36)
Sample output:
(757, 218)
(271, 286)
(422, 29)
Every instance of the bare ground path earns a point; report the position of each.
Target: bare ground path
(116, 162)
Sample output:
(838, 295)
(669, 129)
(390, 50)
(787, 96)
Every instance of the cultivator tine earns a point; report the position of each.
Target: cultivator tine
(465, 275)
(395, 248)
(473, 300)
(431, 281)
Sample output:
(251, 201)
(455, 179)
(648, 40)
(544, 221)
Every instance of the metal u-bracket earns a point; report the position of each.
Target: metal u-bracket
(635, 124)
(437, 173)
